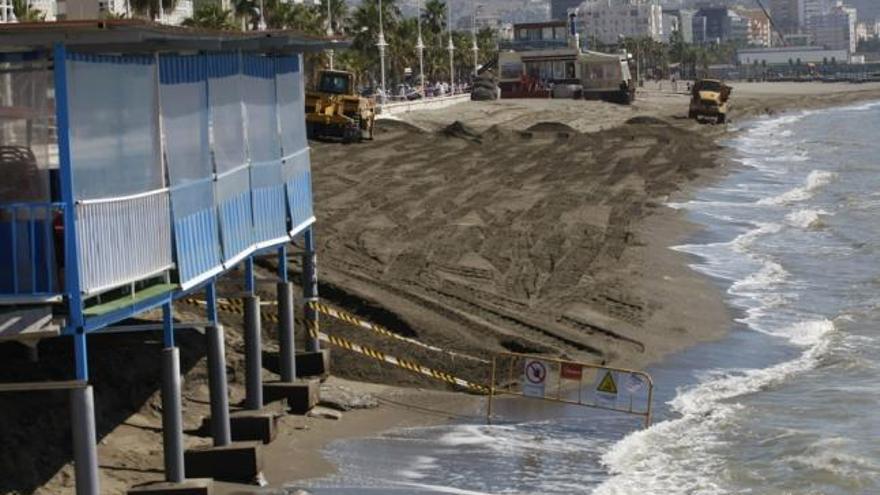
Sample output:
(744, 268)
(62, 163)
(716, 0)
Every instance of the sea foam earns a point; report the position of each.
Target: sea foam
(815, 181)
(685, 455)
(806, 218)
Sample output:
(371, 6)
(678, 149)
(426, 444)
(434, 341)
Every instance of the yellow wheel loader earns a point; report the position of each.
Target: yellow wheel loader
(710, 98)
(334, 109)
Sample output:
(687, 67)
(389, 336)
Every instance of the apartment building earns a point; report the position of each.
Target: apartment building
(610, 20)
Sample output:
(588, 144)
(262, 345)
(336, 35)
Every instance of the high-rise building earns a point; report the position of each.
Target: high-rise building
(759, 32)
(787, 15)
(836, 29)
(610, 20)
(811, 9)
(717, 23)
(681, 20)
(559, 9)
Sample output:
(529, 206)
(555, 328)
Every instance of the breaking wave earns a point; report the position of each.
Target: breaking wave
(685, 455)
(815, 181)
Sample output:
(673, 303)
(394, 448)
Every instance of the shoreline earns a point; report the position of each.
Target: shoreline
(679, 307)
(425, 408)
(676, 229)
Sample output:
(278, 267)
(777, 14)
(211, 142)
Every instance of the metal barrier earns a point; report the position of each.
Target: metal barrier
(600, 387)
(29, 245)
(123, 240)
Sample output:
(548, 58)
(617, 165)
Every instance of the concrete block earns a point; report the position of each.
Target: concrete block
(197, 486)
(250, 426)
(301, 395)
(261, 426)
(313, 364)
(239, 462)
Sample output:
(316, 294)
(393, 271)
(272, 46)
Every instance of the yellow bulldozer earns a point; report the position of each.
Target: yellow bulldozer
(335, 109)
(710, 98)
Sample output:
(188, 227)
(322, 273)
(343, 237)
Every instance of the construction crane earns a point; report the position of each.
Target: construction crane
(772, 24)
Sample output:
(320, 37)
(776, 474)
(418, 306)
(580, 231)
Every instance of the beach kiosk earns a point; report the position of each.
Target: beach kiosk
(139, 163)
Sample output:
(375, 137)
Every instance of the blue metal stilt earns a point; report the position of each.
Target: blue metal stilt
(310, 290)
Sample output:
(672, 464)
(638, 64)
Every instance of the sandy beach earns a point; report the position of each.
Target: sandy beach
(532, 226)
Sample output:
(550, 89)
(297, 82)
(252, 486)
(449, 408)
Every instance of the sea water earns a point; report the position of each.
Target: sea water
(787, 403)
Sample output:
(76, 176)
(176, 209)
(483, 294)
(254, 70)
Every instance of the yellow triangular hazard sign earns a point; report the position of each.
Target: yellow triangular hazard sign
(607, 384)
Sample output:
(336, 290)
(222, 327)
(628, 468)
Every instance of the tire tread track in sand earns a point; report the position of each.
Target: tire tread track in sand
(501, 230)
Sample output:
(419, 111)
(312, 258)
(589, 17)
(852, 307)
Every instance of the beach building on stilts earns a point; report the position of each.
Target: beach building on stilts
(140, 162)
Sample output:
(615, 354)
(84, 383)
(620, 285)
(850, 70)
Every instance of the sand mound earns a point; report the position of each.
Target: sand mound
(646, 120)
(394, 125)
(459, 130)
(493, 240)
(557, 127)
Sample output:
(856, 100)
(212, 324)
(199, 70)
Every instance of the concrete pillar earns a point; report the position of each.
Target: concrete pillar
(310, 290)
(285, 331)
(172, 417)
(220, 429)
(85, 449)
(253, 350)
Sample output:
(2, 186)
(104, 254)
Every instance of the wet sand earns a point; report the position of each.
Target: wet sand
(419, 222)
(466, 230)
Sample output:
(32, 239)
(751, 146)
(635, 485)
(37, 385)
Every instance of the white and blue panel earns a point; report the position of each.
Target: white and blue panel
(122, 207)
(296, 169)
(270, 213)
(233, 186)
(183, 93)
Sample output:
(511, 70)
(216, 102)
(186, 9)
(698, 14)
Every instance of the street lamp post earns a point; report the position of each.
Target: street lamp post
(329, 30)
(420, 46)
(381, 44)
(474, 36)
(261, 25)
(451, 49)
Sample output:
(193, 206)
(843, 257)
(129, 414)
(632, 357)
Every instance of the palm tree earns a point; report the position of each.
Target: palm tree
(402, 47)
(150, 8)
(488, 44)
(436, 40)
(434, 16)
(338, 14)
(247, 12)
(306, 19)
(464, 57)
(25, 13)
(365, 25)
(211, 16)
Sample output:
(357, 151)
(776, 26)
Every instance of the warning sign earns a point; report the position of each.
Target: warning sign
(607, 384)
(635, 383)
(535, 374)
(606, 390)
(572, 371)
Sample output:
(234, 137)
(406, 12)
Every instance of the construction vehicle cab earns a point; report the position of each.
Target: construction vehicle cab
(710, 98)
(335, 109)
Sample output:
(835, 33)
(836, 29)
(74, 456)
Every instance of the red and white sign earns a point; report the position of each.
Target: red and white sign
(534, 378)
(572, 371)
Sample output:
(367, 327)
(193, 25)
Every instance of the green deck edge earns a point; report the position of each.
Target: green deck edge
(128, 300)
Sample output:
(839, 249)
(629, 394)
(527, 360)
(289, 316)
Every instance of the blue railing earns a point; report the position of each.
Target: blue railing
(31, 246)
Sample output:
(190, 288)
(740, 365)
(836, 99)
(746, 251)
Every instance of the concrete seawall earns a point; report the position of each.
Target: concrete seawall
(400, 107)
